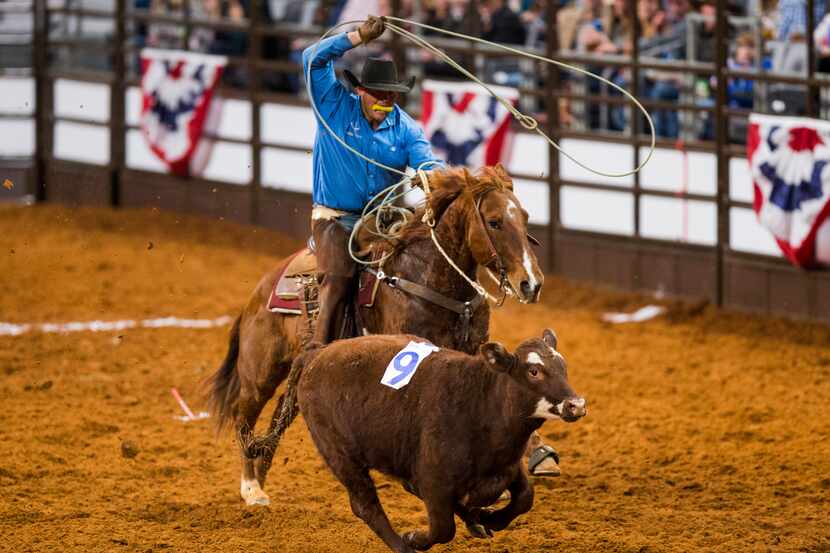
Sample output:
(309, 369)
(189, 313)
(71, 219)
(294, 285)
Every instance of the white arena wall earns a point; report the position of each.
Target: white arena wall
(85, 140)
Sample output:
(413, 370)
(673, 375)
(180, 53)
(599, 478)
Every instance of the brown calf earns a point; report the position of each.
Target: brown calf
(455, 433)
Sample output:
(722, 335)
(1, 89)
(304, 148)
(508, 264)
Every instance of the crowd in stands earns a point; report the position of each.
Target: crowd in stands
(768, 35)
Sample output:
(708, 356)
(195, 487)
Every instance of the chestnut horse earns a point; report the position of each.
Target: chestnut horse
(479, 222)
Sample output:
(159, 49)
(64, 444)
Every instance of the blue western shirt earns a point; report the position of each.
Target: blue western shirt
(343, 180)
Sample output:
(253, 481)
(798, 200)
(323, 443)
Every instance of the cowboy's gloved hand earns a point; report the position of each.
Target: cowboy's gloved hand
(418, 181)
(371, 29)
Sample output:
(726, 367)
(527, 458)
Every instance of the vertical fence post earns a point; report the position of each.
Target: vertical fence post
(396, 44)
(812, 91)
(118, 93)
(254, 82)
(721, 142)
(39, 70)
(553, 85)
(187, 8)
(636, 117)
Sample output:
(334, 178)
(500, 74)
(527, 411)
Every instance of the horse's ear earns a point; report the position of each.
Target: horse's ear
(503, 176)
(550, 339)
(497, 357)
(468, 177)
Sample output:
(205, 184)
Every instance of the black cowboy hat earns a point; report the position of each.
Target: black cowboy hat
(380, 74)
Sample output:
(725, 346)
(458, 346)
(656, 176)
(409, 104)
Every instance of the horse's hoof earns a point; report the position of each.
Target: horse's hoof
(479, 531)
(252, 493)
(254, 501)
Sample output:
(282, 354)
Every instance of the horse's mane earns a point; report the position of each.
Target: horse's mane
(446, 185)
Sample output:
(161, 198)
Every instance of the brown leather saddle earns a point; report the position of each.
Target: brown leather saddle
(298, 283)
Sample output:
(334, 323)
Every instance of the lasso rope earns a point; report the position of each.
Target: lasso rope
(526, 121)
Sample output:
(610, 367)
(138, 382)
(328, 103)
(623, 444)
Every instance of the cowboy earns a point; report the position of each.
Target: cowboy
(371, 123)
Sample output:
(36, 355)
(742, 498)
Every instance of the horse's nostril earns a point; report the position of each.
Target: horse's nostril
(526, 289)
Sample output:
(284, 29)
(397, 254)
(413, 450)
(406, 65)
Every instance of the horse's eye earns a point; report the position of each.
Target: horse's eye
(495, 224)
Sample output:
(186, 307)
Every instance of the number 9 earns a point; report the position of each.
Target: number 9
(405, 368)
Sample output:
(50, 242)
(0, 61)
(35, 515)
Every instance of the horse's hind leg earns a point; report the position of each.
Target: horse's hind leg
(250, 407)
(266, 374)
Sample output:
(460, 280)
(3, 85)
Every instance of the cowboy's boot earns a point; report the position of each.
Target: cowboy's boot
(542, 459)
(333, 292)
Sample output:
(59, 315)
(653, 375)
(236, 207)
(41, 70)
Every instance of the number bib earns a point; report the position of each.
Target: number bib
(402, 367)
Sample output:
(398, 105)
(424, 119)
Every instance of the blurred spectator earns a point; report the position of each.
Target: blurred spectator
(767, 12)
(667, 41)
(738, 90)
(652, 19)
(502, 25)
(302, 13)
(451, 15)
(792, 16)
(165, 35)
(572, 19)
(789, 57)
(201, 38)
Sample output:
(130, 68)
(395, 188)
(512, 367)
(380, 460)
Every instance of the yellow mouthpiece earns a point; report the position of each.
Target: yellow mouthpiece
(378, 107)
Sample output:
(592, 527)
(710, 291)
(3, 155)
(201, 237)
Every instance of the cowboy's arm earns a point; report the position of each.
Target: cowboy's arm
(318, 66)
(420, 151)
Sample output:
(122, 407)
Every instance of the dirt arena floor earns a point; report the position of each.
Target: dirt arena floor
(707, 431)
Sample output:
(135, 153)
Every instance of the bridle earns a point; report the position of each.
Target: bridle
(494, 258)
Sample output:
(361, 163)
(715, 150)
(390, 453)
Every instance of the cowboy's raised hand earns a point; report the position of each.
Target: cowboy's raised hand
(371, 29)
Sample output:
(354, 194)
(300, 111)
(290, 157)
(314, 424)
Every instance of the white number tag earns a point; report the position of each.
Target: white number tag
(402, 367)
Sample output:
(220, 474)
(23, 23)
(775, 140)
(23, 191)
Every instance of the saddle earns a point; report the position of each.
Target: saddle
(295, 290)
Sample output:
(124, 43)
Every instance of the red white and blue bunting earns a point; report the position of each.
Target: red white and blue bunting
(465, 124)
(789, 157)
(176, 90)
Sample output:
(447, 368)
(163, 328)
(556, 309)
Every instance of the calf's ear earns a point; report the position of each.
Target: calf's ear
(497, 357)
(549, 337)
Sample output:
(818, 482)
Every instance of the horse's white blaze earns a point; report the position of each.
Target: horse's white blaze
(534, 358)
(579, 403)
(512, 210)
(526, 263)
(543, 410)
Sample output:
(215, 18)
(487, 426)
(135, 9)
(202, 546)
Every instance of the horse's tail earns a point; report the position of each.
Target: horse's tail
(286, 411)
(223, 392)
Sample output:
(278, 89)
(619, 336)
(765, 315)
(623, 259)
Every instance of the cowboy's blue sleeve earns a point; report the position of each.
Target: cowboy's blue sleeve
(326, 90)
(420, 150)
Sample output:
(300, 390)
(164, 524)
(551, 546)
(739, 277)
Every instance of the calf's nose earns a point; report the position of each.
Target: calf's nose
(575, 407)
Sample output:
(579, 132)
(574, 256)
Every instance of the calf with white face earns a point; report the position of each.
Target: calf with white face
(537, 366)
(455, 432)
